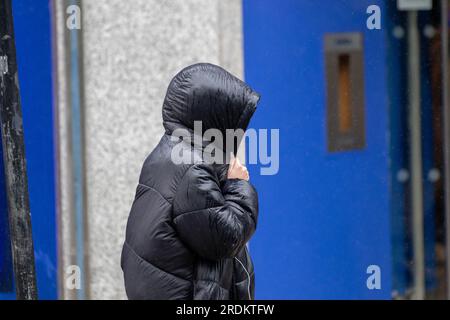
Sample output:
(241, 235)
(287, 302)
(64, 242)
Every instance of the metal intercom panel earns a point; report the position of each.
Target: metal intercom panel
(344, 74)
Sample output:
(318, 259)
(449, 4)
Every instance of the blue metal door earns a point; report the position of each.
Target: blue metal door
(327, 219)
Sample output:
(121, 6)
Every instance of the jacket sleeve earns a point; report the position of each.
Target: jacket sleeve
(214, 221)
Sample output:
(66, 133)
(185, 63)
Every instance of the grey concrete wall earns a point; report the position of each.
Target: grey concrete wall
(131, 51)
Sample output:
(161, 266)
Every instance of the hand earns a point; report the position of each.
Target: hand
(236, 170)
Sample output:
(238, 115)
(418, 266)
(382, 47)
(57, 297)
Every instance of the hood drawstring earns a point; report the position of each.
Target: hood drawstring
(248, 276)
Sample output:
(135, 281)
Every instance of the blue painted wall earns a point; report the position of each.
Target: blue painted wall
(327, 219)
(34, 57)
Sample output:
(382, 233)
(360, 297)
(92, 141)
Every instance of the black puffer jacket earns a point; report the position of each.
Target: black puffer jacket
(188, 227)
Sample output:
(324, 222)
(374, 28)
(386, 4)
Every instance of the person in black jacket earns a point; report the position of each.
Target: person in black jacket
(189, 223)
